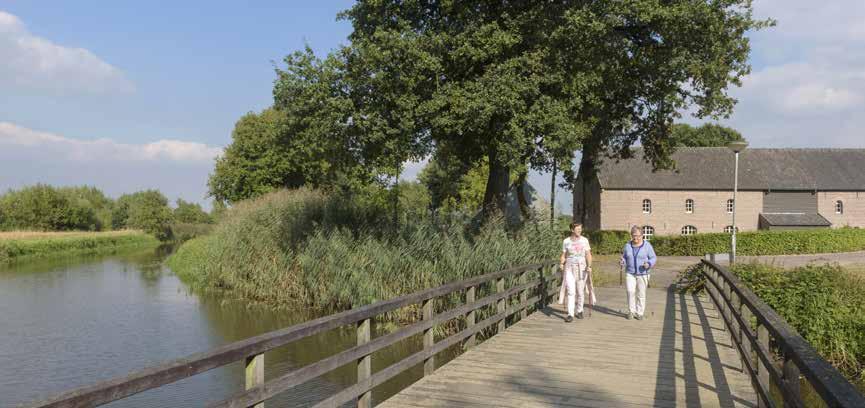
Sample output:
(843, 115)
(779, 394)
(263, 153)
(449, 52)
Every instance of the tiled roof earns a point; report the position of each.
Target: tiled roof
(711, 168)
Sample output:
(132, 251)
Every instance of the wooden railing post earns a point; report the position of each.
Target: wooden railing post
(736, 329)
(524, 295)
(500, 304)
(364, 364)
(255, 374)
(725, 308)
(762, 370)
(542, 289)
(791, 378)
(429, 364)
(470, 316)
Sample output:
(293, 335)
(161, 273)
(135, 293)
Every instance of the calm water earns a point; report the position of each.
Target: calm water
(72, 322)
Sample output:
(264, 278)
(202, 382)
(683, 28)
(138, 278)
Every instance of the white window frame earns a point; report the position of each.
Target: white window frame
(647, 206)
(689, 230)
(731, 205)
(839, 207)
(689, 206)
(648, 231)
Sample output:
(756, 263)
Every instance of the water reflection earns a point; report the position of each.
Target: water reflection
(73, 321)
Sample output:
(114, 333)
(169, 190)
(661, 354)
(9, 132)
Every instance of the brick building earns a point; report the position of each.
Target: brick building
(778, 189)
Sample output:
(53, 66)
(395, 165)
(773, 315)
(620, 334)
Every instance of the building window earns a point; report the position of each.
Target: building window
(729, 229)
(689, 206)
(730, 205)
(648, 231)
(839, 207)
(689, 230)
(647, 206)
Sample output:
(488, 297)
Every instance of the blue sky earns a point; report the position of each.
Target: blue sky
(128, 96)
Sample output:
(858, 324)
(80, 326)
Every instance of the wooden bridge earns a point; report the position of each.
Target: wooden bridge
(725, 348)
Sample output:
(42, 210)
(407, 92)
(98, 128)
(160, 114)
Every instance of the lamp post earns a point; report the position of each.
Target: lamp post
(736, 147)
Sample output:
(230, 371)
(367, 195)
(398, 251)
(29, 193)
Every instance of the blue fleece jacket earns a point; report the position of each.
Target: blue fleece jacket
(643, 253)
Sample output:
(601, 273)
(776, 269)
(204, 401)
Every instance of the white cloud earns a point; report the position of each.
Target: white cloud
(808, 84)
(32, 62)
(105, 149)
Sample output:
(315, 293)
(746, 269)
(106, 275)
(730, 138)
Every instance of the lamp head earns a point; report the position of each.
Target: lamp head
(737, 146)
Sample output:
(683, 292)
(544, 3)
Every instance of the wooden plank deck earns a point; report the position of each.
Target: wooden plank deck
(680, 356)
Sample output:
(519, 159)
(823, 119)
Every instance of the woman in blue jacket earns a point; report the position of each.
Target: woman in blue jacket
(638, 258)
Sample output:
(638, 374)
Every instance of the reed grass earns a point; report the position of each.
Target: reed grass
(304, 248)
(20, 245)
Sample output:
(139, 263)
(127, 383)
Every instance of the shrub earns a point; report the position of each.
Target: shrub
(190, 213)
(145, 210)
(45, 208)
(824, 303)
(749, 243)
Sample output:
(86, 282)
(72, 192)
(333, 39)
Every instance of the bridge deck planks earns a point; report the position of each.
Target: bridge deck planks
(680, 356)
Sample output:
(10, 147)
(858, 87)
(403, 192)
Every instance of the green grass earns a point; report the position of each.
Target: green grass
(303, 248)
(18, 246)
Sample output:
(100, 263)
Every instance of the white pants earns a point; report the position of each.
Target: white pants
(575, 289)
(636, 288)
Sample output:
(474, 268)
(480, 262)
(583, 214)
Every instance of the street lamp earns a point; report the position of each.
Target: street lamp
(736, 147)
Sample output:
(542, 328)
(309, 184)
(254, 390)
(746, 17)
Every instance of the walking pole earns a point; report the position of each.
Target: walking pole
(621, 273)
(591, 292)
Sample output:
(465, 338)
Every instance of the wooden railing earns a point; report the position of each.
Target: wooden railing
(758, 332)
(530, 291)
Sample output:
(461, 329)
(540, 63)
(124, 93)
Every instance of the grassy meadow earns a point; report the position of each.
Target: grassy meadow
(22, 245)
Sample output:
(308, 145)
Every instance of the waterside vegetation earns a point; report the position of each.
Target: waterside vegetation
(17, 245)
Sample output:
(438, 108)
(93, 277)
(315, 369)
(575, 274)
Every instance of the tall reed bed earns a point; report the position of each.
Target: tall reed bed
(304, 248)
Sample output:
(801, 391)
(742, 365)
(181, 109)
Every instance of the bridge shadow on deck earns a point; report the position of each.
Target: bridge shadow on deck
(680, 356)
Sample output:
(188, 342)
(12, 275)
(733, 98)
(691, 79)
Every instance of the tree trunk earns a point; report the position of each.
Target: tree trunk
(588, 169)
(497, 185)
(520, 190)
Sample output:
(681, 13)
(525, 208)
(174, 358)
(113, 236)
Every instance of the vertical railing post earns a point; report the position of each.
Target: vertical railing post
(725, 294)
(524, 295)
(500, 305)
(745, 312)
(255, 374)
(735, 328)
(791, 378)
(542, 289)
(470, 316)
(429, 364)
(364, 364)
(762, 370)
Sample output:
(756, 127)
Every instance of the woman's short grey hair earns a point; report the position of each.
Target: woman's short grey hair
(636, 229)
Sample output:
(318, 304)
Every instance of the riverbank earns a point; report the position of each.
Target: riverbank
(25, 245)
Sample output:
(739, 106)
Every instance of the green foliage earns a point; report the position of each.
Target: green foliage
(824, 303)
(92, 197)
(182, 232)
(707, 135)
(528, 83)
(190, 213)
(262, 157)
(305, 247)
(217, 210)
(45, 208)
(28, 248)
(749, 243)
(145, 210)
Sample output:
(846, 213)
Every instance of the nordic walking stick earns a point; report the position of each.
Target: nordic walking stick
(591, 292)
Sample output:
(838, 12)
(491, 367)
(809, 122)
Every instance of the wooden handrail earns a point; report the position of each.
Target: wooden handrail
(797, 353)
(252, 349)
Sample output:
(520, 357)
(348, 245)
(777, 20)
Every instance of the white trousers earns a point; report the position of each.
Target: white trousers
(574, 288)
(636, 285)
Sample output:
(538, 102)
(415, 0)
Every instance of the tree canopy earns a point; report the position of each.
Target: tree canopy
(519, 85)
(706, 135)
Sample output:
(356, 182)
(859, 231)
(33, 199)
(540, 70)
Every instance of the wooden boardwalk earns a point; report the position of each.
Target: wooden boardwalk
(680, 356)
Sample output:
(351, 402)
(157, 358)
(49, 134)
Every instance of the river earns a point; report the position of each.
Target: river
(70, 322)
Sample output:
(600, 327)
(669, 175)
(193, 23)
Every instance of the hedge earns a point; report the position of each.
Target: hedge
(749, 243)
